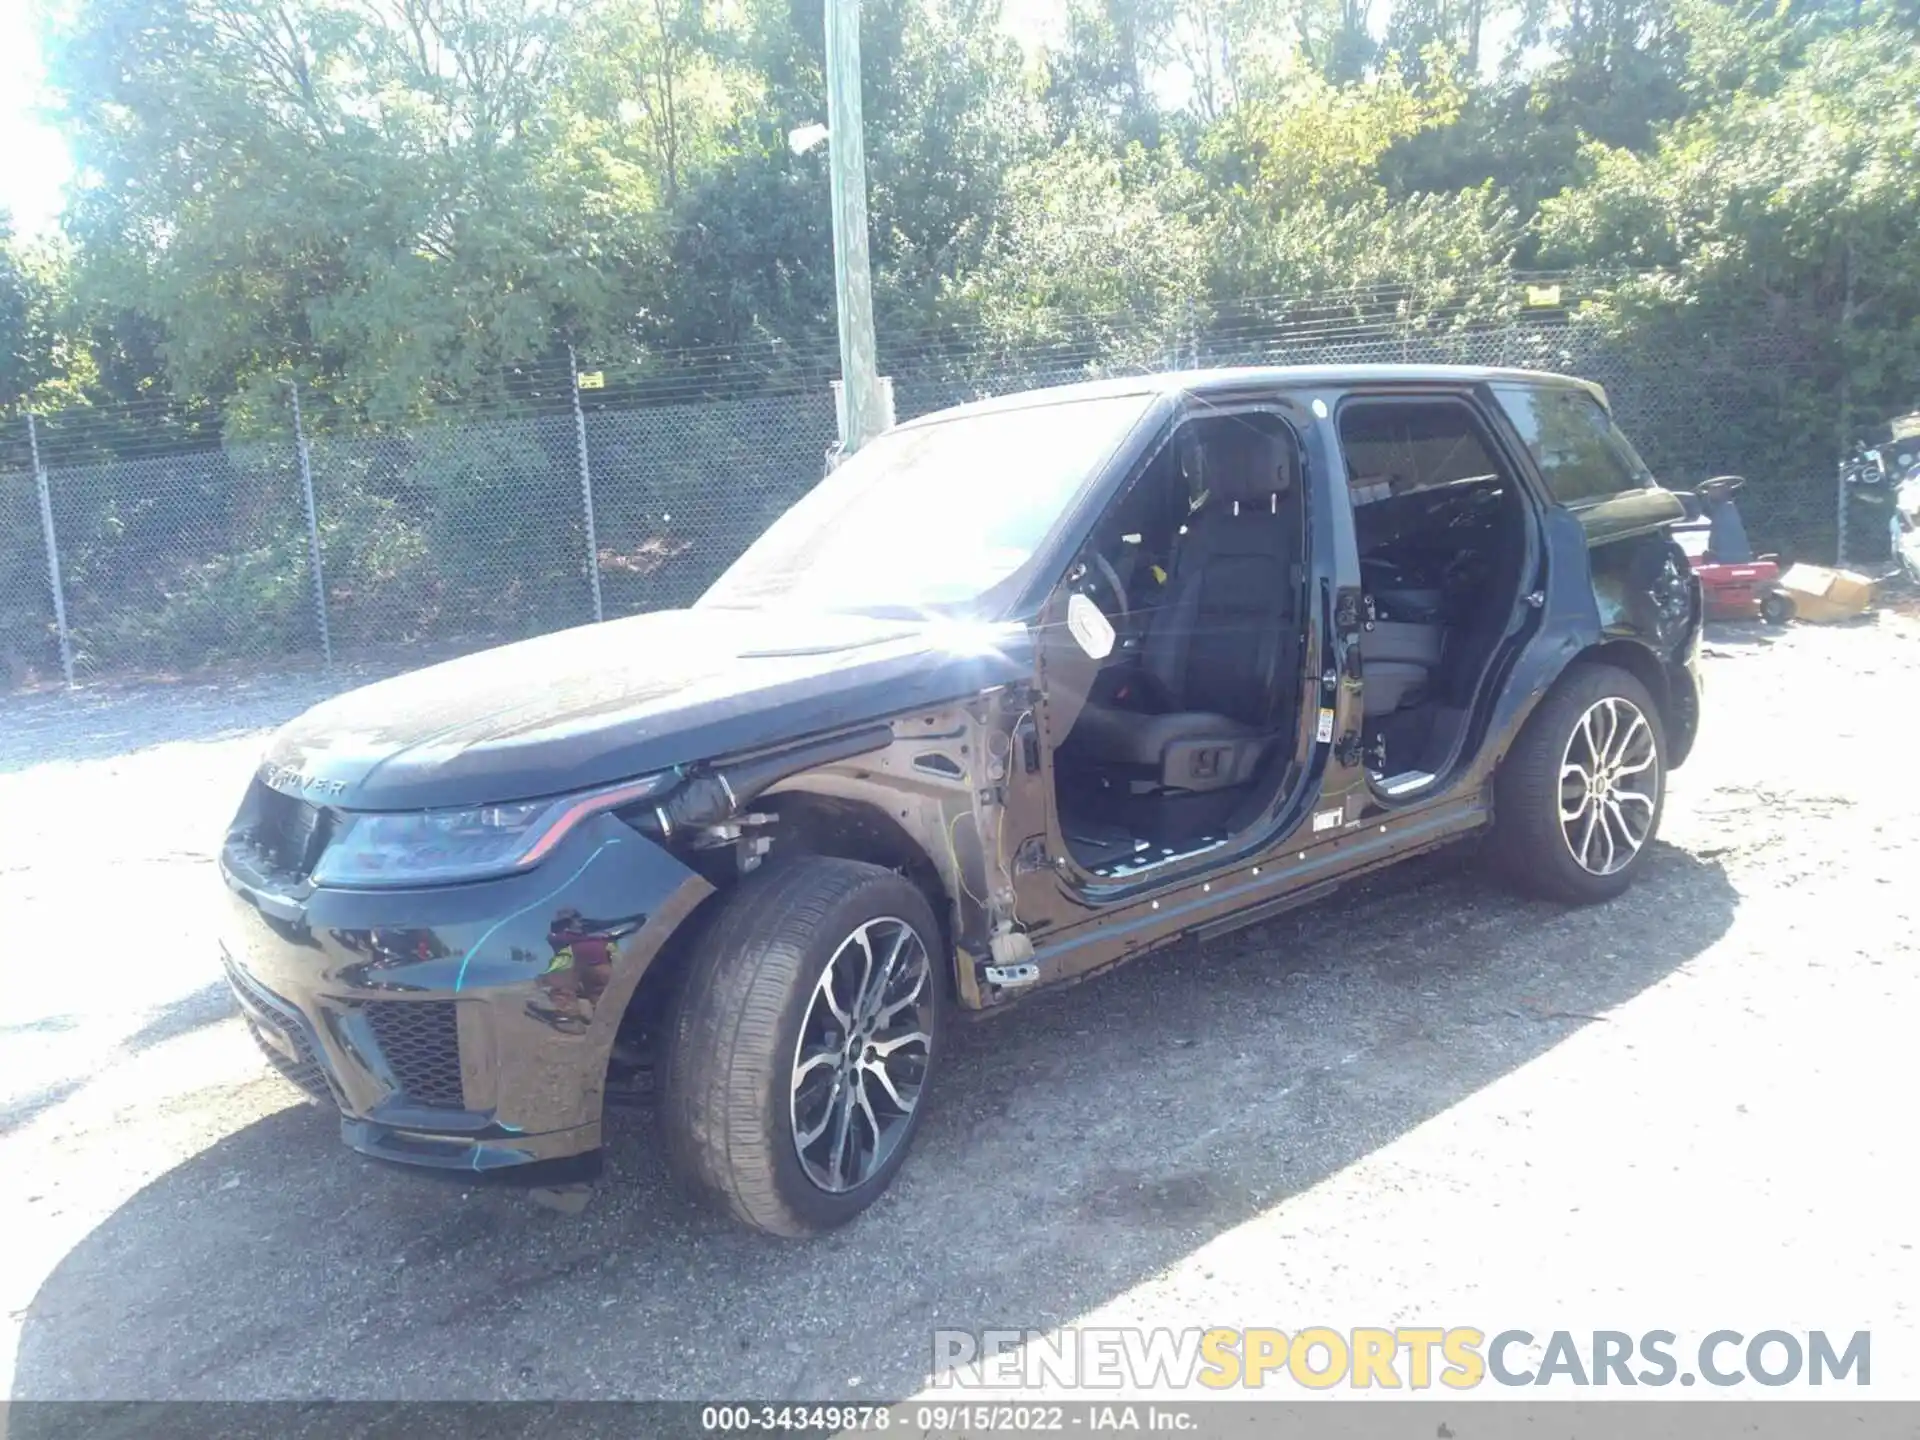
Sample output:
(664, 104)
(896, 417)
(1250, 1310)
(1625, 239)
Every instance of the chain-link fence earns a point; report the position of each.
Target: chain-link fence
(148, 541)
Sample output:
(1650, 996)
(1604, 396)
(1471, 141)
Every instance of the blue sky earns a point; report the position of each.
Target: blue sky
(33, 160)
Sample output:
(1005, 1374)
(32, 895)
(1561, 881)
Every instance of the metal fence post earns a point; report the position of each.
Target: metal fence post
(1847, 448)
(53, 551)
(1840, 516)
(586, 484)
(313, 526)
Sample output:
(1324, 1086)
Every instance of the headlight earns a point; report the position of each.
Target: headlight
(435, 847)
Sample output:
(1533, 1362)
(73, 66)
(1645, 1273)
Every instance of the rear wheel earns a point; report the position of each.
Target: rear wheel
(803, 1044)
(1776, 608)
(1578, 799)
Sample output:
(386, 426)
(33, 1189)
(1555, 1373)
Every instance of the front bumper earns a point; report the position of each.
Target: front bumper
(464, 1027)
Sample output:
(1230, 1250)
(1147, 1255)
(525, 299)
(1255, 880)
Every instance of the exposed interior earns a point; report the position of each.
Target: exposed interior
(1190, 726)
(1190, 729)
(1441, 529)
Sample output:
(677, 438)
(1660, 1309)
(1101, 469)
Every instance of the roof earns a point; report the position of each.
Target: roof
(1276, 377)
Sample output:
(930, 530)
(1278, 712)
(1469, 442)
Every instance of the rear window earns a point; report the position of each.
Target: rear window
(1581, 453)
(1398, 447)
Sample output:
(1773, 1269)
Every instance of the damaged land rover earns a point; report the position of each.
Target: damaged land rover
(1020, 690)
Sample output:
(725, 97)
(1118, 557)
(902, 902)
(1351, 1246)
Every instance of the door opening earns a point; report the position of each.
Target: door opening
(1191, 725)
(1442, 529)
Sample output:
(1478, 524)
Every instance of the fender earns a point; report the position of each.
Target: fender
(1590, 603)
(930, 803)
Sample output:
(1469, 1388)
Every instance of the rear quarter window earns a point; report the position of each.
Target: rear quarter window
(1582, 455)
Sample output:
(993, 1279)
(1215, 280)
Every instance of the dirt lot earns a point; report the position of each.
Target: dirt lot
(1424, 1102)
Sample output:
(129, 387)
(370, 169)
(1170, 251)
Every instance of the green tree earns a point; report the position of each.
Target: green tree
(1787, 209)
(949, 117)
(1100, 78)
(397, 199)
(1574, 71)
(1086, 261)
(1297, 201)
(393, 198)
(41, 356)
(23, 352)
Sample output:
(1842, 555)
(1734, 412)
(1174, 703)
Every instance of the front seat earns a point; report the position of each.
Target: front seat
(1221, 652)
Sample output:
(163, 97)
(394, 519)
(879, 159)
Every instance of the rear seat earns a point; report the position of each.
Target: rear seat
(1399, 654)
(1397, 662)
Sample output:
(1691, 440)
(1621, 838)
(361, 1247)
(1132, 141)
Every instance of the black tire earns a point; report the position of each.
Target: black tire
(1776, 608)
(1531, 844)
(729, 1097)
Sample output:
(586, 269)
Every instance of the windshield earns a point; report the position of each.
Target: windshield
(933, 518)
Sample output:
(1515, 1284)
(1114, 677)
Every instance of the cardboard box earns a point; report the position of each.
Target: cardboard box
(1822, 595)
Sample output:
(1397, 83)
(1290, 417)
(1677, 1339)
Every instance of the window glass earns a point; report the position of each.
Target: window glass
(1582, 455)
(1401, 447)
(935, 518)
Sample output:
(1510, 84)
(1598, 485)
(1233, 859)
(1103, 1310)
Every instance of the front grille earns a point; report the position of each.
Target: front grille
(288, 832)
(263, 1008)
(421, 1042)
(304, 1072)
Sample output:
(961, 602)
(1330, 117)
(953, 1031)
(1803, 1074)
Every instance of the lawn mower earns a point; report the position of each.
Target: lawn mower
(1736, 583)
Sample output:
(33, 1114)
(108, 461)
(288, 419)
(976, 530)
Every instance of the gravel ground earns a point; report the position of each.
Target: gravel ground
(1419, 1102)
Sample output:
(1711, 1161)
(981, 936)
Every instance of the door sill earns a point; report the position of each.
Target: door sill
(1405, 785)
(1147, 856)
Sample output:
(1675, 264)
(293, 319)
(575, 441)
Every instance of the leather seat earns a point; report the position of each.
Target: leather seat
(1397, 659)
(1221, 653)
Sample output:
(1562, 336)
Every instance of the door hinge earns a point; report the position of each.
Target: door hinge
(1027, 733)
(1346, 611)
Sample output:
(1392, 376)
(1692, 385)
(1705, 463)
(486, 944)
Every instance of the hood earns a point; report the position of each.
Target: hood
(603, 703)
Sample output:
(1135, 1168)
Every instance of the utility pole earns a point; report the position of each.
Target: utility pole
(852, 275)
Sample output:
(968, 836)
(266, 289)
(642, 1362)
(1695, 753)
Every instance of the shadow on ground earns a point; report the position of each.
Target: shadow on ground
(1078, 1146)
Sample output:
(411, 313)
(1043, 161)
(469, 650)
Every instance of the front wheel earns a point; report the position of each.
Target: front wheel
(1578, 798)
(803, 1044)
(1776, 607)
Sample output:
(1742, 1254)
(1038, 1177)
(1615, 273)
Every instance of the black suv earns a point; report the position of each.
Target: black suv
(1019, 690)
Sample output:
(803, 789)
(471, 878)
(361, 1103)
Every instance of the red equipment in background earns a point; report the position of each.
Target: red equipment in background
(1736, 583)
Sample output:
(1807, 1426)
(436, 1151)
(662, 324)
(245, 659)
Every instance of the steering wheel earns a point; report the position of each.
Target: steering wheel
(1111, 578)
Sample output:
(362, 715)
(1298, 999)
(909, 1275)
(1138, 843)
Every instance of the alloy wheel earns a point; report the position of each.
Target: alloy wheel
(861, 1059)
(1609, 786)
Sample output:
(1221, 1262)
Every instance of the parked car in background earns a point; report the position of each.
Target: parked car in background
(1020, 690)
